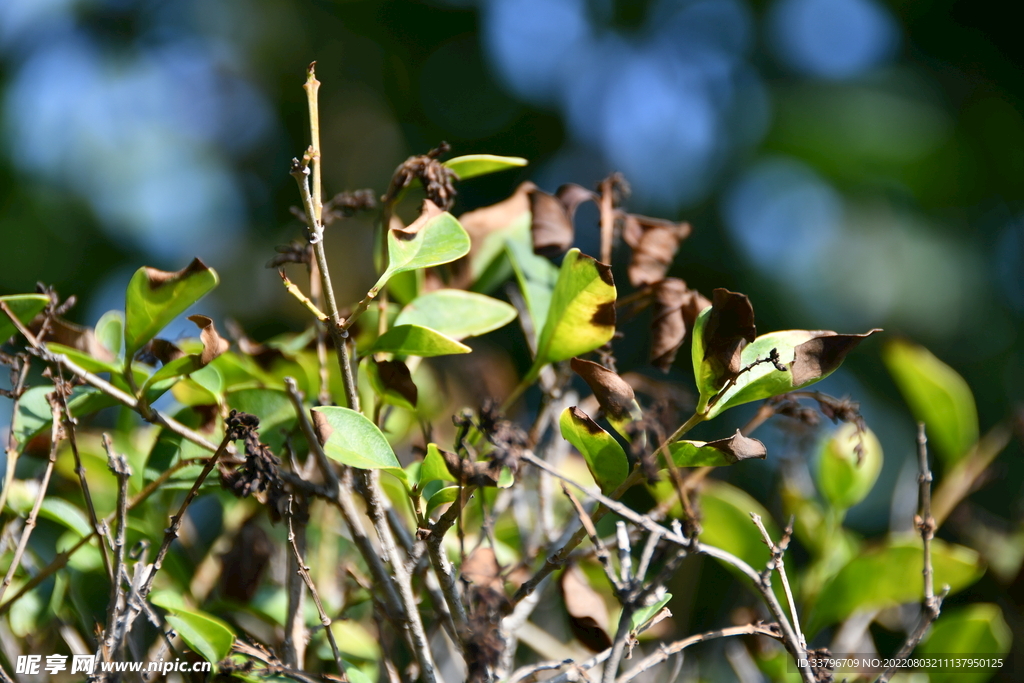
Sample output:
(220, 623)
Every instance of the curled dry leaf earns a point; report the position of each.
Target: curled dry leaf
(818, 357)
(654, 242)
(738, 447)
(395, 376)
(471, 472)
(481, 224)
(481, 570)
(588, 615)
(428, 211)
(552, 218)
(675, 309)
(437, 179)
(730, 327)
(213, 343)
(612, 392)
(163, 351)
(78, 337)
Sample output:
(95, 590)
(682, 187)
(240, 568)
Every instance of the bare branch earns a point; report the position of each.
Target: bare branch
(776, 563)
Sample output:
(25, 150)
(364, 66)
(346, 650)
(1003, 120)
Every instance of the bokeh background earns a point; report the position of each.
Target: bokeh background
(847, 163)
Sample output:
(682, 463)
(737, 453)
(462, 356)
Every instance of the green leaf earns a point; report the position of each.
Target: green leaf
(891, 575)
(718, 453)
(354, 674)
(449, 494)
(206, 635)
(457, 314)
(156, 297)
(977, 630)
(83, 359)
(24, 307)
(472, 165)
(581, 316)
(727, 525)
(33, 414)
(805, 357)
(937, 396)
(110, 332)
(645, 614)
(844, 477)
(433, 467)
(433, 239)
(351, 439)
(605, 457)
(415, 340)
(66, 514)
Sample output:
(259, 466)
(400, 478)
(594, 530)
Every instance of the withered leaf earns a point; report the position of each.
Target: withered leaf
(244, 564)
(729, 328)
(675, 309)
(482, 222)
(475, 473)
(78, 337)
(588, 615)
(738, 447)
(572, 195)
(612, 392)
(395, 376)
(163, 351)
(551, 225)
(480, 569)
(654, 242)
(819, 356)
(213, 343)
(437, 179)
(156, 279)
(428, 212)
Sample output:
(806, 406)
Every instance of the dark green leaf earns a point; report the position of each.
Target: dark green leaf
(977, 630)
(607, 461)
(274, 409)
(449, 494)
(937, 396)
(891, 575)
(457, 314)
(156, 297)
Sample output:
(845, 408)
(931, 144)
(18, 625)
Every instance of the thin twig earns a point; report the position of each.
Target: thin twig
(776, 562)
(307, 430)
(932, 604)
(443, 567)
(44, 483)
(666, 651)
(19, 369)
(524, 672)
(601, 550)
(119, 466)
(303, 571)
(69, 432)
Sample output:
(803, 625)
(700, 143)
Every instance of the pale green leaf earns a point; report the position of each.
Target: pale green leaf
(415, 340)
(24, 307)
(457, 314)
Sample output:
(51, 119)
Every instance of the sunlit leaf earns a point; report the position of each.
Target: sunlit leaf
(581, 316)
(448, 494)
(82, 359)
(351, 439)
(206, 635)
(434, 467)
(845, 477)
(937, 396)
(457, 314)
(605, 457)
(718, 453)
(733, 367)
(156, 297)
(976, 631)
(415, 340)
(891, 575)
(432, 239)
(472, 165)
(110, 332)
(24, 307)
(645, 614)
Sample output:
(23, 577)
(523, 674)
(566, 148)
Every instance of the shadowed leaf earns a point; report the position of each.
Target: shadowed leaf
(727, 331)
(392, 380)
(891, 575)
(937, 396)
(551, 225)
(181, 365)
(588, 615)
(977, 630)
(848, 466)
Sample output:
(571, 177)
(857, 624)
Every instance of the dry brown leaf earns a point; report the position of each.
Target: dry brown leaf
(588, 615)
(612, 392)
